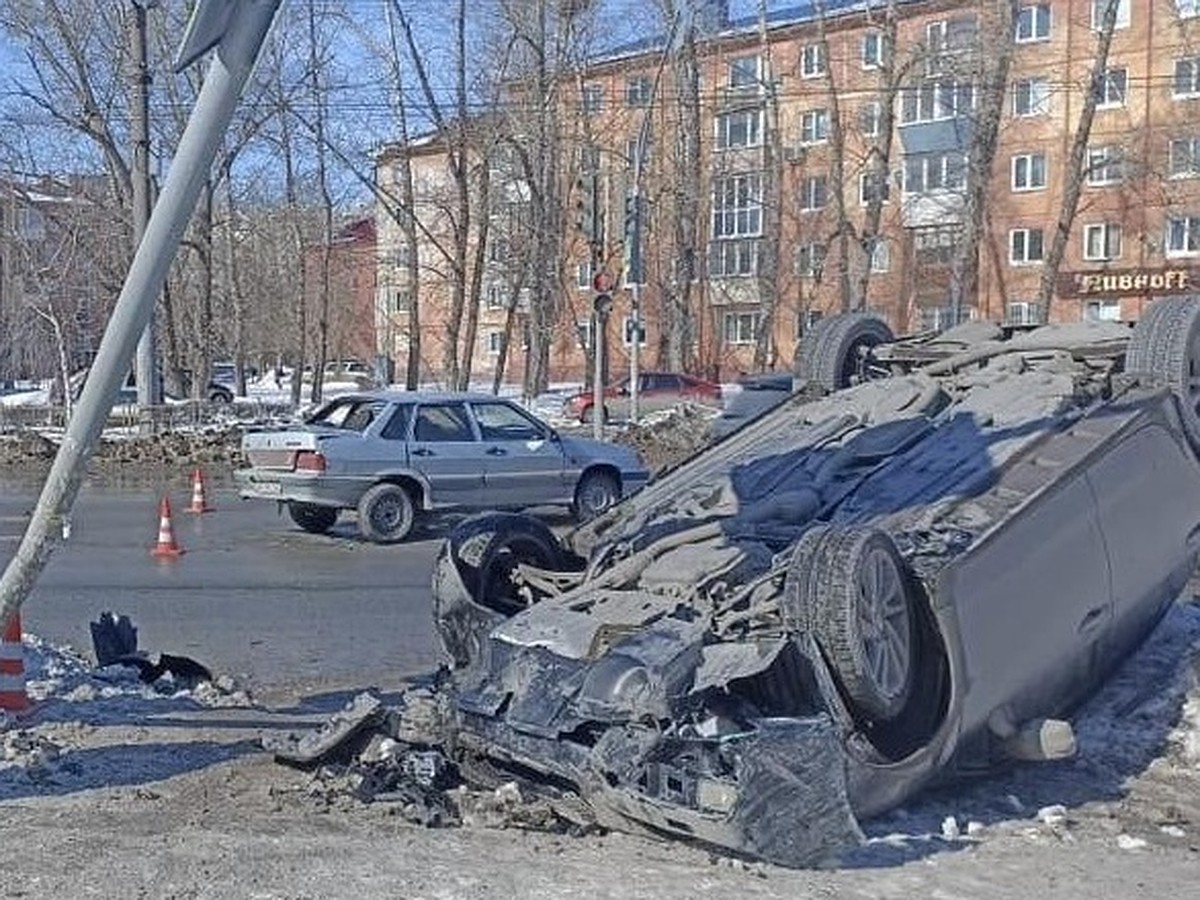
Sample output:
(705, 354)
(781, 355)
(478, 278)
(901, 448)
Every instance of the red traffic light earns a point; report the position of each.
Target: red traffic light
(602, 281)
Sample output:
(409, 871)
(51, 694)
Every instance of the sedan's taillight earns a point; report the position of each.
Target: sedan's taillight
(310, 461)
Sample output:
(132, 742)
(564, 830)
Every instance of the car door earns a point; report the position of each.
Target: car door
(659, 391)
(523, 463)
(1147, 478)
(445, 450)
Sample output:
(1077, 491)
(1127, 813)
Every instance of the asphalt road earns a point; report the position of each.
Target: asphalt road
(252, 596)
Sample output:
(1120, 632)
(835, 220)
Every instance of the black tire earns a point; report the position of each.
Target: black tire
(799, 583)
(312, 518)
(472, 586)
(805, 361)
(597, 492)
(218, 394)
(386, 513)
(1165, 347)
(836, 358)
(859, 597)
(589, 414)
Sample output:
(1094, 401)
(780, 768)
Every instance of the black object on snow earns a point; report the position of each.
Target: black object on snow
(115, 642)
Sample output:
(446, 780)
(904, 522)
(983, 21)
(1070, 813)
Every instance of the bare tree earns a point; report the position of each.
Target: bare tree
(1075, 169)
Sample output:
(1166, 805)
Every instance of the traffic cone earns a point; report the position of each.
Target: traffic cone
(199, 503)
(12, 668)
(166, 548)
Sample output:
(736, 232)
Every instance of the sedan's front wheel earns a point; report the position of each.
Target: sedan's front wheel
(596, 493)
(386, 514)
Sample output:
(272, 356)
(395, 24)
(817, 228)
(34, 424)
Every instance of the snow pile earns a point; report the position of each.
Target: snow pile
(63, 743)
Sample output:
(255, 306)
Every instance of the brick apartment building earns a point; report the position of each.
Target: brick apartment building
(352, 258)
(832, 163)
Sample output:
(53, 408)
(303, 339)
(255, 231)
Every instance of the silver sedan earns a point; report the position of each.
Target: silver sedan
(392, 455)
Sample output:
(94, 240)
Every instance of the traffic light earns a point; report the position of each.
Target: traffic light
(590, 221)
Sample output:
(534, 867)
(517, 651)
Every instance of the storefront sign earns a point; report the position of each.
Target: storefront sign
(1128, 282)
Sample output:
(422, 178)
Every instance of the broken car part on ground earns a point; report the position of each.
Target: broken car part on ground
(911, 578)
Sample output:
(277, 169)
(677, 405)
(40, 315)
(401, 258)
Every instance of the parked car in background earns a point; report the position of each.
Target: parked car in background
(392, 456)
(216, 391)
(656, 391)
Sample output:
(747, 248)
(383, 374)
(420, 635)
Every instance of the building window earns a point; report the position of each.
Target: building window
(1187, 9)
(872, 50)
(1023, 312)
(583, 276)
(814, 191)
(1183, 236)
(881, 256)
(1025, 246)
(631, 150)
(812, 61)
(1029, 172)
(947, 37)
(1031, 97)
(402, 301)
(1105, 165)
(742, 328)
(1112, 88)
(593, 98)
(870, 118)
(935, 246)
(814, 126)
(1102, 242)
(637, 92)
(733, 259)
(810, 257)
(494, 296)
(1033, 23)
(583, 333)
(926, 172)
(627, 332)
(495, 342)
(1099, 7)
(1102, 311)
(737, 206)
(933, 101)
(1185, 157)
(744, 72)
(1186, 82)
(872, 186)
(741, 128)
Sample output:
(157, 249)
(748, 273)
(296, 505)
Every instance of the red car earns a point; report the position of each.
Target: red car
(656, 391)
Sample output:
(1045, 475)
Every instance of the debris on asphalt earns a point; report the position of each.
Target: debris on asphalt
(115, 643)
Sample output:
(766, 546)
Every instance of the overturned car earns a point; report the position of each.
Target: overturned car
(898, 582)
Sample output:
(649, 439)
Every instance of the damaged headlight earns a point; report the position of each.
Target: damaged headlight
(618, 687)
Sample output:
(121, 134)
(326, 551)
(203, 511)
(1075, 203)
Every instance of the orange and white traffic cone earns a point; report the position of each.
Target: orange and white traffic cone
(12, 668)
(199, 503)
(166, 548)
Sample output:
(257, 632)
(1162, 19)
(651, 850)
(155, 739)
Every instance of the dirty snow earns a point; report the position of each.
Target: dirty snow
(1135, 782)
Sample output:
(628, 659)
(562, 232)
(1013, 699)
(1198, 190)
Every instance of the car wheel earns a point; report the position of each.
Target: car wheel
(220, 395)
(312, 518)
(385, 514)
(589, 414)
(837, 356)
(472, 578)
(597, 492)
(1166, 347)
(858, 597)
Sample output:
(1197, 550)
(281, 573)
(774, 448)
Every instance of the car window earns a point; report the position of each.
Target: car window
(349, 414)
(442, 423)
(397, 427)
(501, 422)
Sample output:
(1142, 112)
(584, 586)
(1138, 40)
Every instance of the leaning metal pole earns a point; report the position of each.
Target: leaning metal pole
(237, 28)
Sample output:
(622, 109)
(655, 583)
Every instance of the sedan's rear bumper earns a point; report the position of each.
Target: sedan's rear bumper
(265, 484)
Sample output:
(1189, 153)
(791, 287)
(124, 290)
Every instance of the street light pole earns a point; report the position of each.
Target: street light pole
(149, 391)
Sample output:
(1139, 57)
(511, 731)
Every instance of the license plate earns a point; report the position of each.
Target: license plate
(270, 488)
